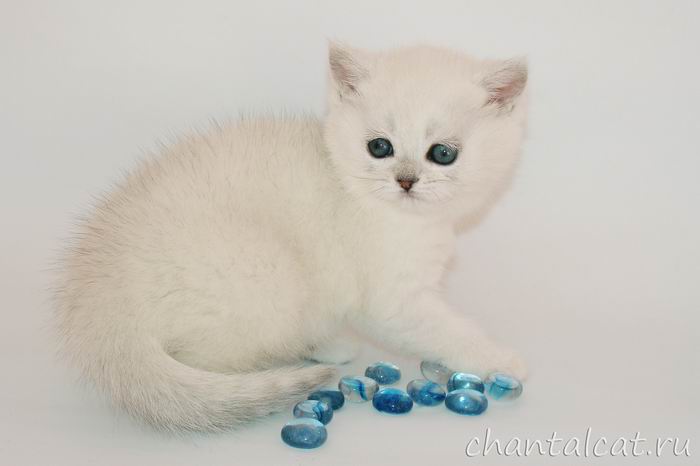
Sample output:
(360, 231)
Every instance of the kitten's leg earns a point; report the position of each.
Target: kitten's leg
(427, 327)
(341, 350)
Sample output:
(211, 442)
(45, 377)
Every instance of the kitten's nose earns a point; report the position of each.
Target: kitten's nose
(406, 183)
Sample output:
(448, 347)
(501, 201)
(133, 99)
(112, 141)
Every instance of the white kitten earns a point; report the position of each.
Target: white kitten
(197, 286)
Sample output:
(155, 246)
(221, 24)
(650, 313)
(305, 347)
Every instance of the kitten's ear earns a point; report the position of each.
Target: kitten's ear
(505, 81)
(348, 67)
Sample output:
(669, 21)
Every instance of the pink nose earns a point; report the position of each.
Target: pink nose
(406, 183)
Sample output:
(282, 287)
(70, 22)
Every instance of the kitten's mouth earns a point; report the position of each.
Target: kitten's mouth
(402, 197)
(410, 196)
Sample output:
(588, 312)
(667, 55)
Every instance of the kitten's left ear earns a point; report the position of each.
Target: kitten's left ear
(505, 81)
(348, 68)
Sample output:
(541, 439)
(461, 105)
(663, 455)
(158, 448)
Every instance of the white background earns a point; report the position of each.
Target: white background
(590, 265)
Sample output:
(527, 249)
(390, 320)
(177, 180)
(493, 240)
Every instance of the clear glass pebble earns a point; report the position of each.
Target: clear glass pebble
(385, 373)
(392, 401)
(334, 398)
(463, 380)
(314, 409)
(466, 401)
(424, 392)
(435, 372)
(304, 433)
(358, 388)
(501, 386)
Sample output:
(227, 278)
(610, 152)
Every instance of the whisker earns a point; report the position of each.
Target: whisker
(367, 178)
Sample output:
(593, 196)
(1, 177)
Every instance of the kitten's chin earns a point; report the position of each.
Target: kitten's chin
(410, 202)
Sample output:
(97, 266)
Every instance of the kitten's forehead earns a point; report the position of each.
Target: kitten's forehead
(420, 66)
(423, 84)
(404, 112)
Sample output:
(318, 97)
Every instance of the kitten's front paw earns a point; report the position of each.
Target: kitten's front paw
(506, 361)
(513, 364)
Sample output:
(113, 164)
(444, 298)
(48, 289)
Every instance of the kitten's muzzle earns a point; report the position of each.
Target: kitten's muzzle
(406, 183)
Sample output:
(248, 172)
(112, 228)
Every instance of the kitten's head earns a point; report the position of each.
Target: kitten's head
(424, 129)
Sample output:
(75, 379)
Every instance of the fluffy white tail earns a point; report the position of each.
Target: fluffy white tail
(149, 384)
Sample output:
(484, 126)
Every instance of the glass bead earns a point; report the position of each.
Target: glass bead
(314, 409)
(384, 373)
(427, 393)
(334, 398)
(435, 372)
(501, 386)
(466, 401)
(304, 433)
(463, 380)
(358, 388)
(392, 401)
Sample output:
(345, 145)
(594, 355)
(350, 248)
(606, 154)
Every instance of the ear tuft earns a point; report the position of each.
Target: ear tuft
(505, 82)
(346, 69)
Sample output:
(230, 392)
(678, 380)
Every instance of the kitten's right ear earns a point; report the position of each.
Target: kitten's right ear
(505, 81)
(348, 68)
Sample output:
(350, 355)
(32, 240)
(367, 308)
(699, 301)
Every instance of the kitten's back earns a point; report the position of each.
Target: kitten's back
(147, 298)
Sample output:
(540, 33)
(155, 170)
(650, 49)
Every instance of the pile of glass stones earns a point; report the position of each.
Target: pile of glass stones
(460, 392)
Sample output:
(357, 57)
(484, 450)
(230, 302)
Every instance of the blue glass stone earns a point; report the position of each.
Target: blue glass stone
(435, 372)
(335, 398)
(304, 433)
(314, 409)
(424, 392)
(466, 401)
(392, 401)
(463, 380)
(358, 388)
(501, 386)
(384, 373)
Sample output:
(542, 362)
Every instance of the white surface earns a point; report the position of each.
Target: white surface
(590, 265)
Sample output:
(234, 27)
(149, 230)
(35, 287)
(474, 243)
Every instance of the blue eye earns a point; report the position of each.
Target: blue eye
(380, 148)
(442, 154)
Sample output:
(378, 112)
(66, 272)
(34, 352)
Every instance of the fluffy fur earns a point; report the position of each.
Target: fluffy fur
(197, 288)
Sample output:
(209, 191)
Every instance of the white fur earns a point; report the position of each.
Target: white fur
(196, 287)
